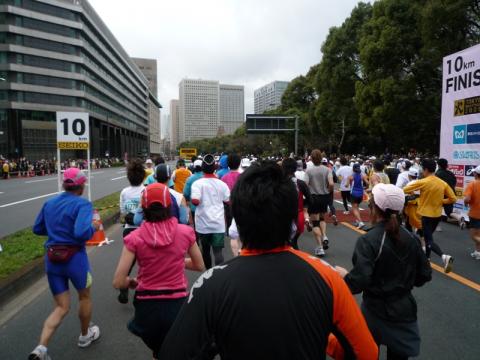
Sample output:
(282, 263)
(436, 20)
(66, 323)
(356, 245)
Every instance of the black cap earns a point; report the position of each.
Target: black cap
(162, 173)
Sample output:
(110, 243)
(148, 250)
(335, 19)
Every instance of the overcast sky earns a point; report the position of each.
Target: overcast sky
(240, 42)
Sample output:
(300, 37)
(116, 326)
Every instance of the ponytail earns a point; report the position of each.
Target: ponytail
(392, 227)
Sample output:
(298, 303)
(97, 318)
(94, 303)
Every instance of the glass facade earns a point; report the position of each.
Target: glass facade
(56, 58)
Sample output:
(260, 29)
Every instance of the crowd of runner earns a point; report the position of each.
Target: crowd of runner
(285, 303)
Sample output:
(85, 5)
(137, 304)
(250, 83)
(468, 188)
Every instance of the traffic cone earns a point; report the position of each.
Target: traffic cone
(99, 235)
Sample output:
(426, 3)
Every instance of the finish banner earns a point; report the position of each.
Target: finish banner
(460, 130)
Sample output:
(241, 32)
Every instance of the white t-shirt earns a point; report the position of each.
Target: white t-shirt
(402, 180)
(130, 200)
(343, 173)
(210, 215)
(300, 175)
(178, 196)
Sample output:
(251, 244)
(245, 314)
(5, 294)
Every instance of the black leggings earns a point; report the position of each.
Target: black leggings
(428, 226)
(331, 206)
(345, 199)
(393, 356)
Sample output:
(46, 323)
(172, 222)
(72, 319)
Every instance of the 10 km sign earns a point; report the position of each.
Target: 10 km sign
(72, 127)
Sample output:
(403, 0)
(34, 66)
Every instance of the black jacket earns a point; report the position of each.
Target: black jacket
(448, 177)
(386, 275)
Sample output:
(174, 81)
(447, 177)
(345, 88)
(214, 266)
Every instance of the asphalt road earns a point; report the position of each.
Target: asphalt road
(448, 307)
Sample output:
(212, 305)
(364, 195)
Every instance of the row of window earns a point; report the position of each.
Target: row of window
(42, 8)
(34, 24)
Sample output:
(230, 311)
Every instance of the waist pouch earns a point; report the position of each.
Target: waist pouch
(61, 253)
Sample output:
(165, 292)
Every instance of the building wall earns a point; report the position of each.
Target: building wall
(60, 56)
(149, 68)
(154, 129)
(174, 124)
(232, 108)
(269, 97)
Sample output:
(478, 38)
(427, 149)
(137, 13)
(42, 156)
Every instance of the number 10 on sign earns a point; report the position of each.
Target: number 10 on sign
(73, 132)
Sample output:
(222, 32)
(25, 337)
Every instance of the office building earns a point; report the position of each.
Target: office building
(208, 109)
(58, 55)
(174, 123)
(148, 67)
(269, 97)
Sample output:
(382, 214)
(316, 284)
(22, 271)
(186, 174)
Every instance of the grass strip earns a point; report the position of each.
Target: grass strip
(24, 246)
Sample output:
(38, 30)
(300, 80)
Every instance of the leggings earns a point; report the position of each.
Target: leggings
(205, 241)
(345, 199)
(428, 226)
(394, 356)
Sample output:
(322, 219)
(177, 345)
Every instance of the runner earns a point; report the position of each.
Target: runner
(163, 175)
(320, 182)
(180, 176)
(159, 246)
(289, 166)
(356, 181)
(233, 162)
(331, 207)
(187, 190)
(402, 179)
(209, 194)
(434, 193)
(449, 177)
(378, 176)
(222, 166)
(391, 171)
(472, 199)
(67, 221)
(387, 263)
(149, 170)
(343, 173)
(301, 166)
(254, 306)
(129, 203)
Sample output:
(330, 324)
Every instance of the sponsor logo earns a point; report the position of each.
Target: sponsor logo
(473, 134)
(458, 206)
(460, 134)
(469, 170)
(467, 106)
(466, 134)
(459, 192)
(458, 170)
(460, 181)
(466, 155)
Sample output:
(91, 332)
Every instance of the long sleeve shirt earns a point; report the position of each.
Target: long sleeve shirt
(434, 193)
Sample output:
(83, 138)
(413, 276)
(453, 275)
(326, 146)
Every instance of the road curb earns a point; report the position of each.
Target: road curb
(34, 270)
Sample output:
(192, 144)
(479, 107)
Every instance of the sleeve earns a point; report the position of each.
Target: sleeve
(196, 191)
(469, 190)
(39, 228)
(122, 202)
(187, 190)
(183, 215)
(233, 231)
(424, 270)
(83, 228)
(129, 242)
(226, 192)
(138, 217)
(306, 193)
(413, 186)
(400, 183)
(191, 335)
(173, 175)
(449, 194)
(363, 260)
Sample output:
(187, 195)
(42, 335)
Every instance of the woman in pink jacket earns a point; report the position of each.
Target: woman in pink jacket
(159, 245)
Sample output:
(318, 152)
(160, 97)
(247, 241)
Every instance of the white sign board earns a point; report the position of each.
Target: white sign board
(460, 132)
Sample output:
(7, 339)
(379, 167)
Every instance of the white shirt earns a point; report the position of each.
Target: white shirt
(210, 215)
(343, 173)
(402, 179)
(300, 175)
(130, 200)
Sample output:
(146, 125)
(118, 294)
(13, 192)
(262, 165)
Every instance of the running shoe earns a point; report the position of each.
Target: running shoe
(335, 221)
(92, 335)
(346, 213)
(475, 255)
(123, 296)
(360, 224)
(462, 224)
(325, 243)
(447, 263)
(319, 251)
(439, 229)
(39, 353)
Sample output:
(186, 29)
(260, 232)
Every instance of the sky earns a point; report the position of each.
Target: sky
(239, 42)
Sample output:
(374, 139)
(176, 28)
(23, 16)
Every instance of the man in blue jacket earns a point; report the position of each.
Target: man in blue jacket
(67, 221)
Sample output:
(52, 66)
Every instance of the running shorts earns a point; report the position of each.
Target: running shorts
(356, 199)
(77, 270)
(319, 204)
(215, 240)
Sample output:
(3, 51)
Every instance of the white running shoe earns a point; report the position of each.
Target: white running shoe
(92, 335)
(346, 213)
(39, 353)
(462, 224)
(319, 251)
(447, 263)
(361, 224)
(475, 255)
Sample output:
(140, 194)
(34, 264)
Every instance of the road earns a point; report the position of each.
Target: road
(448, 306)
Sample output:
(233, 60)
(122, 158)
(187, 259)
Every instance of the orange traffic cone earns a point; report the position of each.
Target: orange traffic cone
(99, 235)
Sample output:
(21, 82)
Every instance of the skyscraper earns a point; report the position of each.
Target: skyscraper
(174, 124)
(269, 96)
(232, 109)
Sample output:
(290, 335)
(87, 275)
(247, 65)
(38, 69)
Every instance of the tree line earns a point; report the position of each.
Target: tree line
(377, 87)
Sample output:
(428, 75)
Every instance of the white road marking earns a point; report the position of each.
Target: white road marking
(31, 199)
(34, 181)
(118, 178)
(1, 192)
(340, 202)
(121, 172)
(97, 172)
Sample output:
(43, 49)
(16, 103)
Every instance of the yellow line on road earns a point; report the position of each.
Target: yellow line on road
(452, 275)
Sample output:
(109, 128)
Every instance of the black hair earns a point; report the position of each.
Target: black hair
(135, 172)
(442, 163)
(289, 166)
(264, 206)
(159, 160)
(194, 157)
(71, 188)
(378, 165)
(343, 161)
(156, 213)
(234, 161)
(392, 226)
(429, 165)
(180, 162)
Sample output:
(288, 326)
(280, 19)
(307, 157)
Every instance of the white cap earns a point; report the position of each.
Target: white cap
(197, 162)
(245, 162)
(413, 172)
(388, 197)
(477, 170)
(324, 161)
(149, 161)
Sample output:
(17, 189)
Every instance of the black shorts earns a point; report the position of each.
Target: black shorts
(319, 204)
(356, 199)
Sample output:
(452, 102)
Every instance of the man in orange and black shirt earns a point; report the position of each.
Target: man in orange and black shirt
(272, 302)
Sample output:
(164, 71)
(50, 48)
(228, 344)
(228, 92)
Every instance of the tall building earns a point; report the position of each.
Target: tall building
(58, 55)
(149, 69)
(174, 124)
(269, 97)
(232, 109)
(208, 108)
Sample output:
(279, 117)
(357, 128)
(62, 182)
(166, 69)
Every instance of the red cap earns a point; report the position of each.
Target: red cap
(156, 193)
(74, 177)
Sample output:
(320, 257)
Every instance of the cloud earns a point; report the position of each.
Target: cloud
(241, 42)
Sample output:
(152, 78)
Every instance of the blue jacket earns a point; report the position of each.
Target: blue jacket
(223, 167)
(187, 190)
(65, 219)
